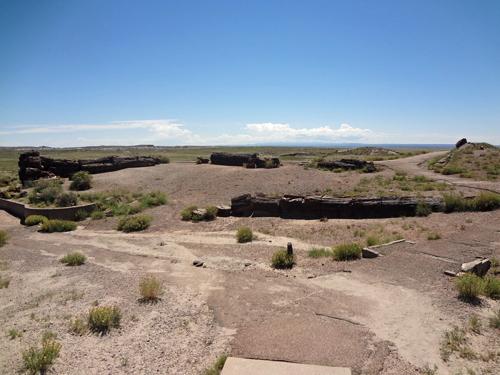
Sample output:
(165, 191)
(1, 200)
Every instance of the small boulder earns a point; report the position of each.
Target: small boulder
(480, 267)
(461, 142)
(197, 263)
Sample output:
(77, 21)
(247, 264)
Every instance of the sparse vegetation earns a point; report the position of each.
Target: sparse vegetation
(469, 286)
(51, 226)
(475, 324)
(134, 223)
(316, 252)
(433, 236)
(78, 326)
(4, 237)
(81, 215)
(74, 259)
(34, 220)
(187, 213)
(151, 288)
(281, 259)
(103, 318)
(244, 234)
(81, 180)
(210, 213)
(164, 159)
(68, 199)
(485, 201)
(39, 360)
(495, 321)
(4, 283)
(349, 251)
(217, 367)
(426, 370)
(452, 342)
(49, 336)
(13, 333)
(423, 209)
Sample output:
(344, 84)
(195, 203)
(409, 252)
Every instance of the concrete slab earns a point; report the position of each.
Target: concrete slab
(243, 366)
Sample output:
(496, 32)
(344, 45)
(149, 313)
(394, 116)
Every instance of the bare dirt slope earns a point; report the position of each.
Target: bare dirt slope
(379, 316)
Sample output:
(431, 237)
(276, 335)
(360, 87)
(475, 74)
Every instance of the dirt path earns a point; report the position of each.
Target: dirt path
(417, 165)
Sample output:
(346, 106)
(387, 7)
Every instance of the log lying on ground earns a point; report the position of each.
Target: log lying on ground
(327, 206)
(237, 160)
(33, 166)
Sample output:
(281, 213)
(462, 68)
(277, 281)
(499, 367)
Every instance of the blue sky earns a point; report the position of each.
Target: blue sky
(76, 73)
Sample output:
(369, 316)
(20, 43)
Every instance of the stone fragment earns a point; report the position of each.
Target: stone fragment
(480, 267)
(450, 273)
(369, 253)
(223, 210)
(461, 142)
(289, 248)
(197, 263)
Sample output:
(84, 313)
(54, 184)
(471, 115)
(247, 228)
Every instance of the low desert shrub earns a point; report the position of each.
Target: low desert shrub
(475, 324)
(47, 335)
(319, 252)
(97, 215)
(153, 199)
(164, 160)
(469, 286)
(244, 234)
(77, 326)
(34, 220)
(81, 215)
(134, 223)
(68, 199)
(103, 318)
(74, 259)
(433, 236)
(372, 241)
(151, 288)
(39, 360)
(187, 213)
(81, 180)
(51, 226)
(349, 251)
(492, 288)
(4, 283)
(210, 213)
(13, 333)
(4, 237)
(486, 201)
(50, 194)
(423, 209)
(281, 259)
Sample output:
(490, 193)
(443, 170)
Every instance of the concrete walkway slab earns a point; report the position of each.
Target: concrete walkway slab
(242, 366)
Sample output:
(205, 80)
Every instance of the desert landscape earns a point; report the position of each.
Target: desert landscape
(393, 314)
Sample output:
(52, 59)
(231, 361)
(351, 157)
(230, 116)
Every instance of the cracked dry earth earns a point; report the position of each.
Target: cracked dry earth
(376, 316)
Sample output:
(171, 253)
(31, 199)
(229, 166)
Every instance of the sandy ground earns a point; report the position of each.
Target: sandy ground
(376, 316)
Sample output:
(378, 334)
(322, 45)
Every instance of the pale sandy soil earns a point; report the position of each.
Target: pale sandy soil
(379, 316)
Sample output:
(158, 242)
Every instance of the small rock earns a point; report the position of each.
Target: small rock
(480, 267)
(368, 253)
(311, 276)
(197, 263)
(248, 264)
(450, 273)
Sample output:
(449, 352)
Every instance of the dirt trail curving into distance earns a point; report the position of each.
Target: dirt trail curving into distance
(417, 165)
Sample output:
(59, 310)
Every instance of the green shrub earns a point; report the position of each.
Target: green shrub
(319, 252)
(495, 321)
(453, 203)
(453, 169)
(217, 367)
(50, 194)
(78, 326)
(81, 180)
(281, 259)
(210, 213)
(475, 324)
(469, 286)
(39, 360)
(74, 259)
(269, 164)
(67, 200)
(4, 283)
(164, 160)
(81, 215)
(187, 213)
(13, 333)
(433, 236)
(486, 201)
(156, 198)
(372, 241)
(103, 318)
(4, 237)
(134, 223)
(349, 251)
(151, 288)
(34, 220)
(244, 234)
(49, 336)
(423, 209)
(97, 215)
(58, 226)
(492, 288)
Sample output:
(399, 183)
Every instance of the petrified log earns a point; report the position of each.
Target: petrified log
(461, 142)
(336, 207)
(265, 206)
(225, 158)
(366, 207)
(242, 205)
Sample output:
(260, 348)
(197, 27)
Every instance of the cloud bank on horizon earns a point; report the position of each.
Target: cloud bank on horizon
(167, 132)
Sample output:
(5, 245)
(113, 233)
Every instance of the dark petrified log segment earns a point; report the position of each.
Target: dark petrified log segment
(312, 207)
(265, 206)
(115, 163)
(461, 142)
(292, 207)
(225, 158)
(366, 207)
(242, 205)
